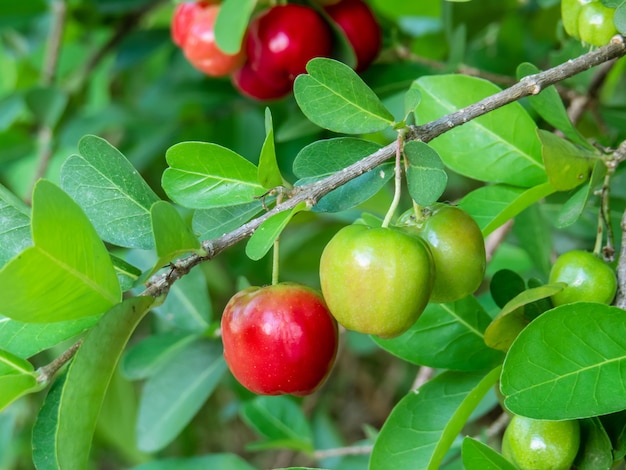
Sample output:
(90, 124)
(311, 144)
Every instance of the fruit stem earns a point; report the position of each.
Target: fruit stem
(398, 180)
(276, 251)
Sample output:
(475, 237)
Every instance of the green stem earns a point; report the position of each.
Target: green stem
(397, 180)
(275, 262)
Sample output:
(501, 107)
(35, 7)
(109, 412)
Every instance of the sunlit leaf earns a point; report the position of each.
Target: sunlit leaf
(204, 175)
(424, 424)
(263, 238)
(334, 97)
(269, 173)
(74, 271)
(500, 146)
(567, 165)
(568, 363)
(479, 456)
(231, 24)
(114, 196)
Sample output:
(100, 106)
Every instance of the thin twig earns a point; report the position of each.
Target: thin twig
(342, 451)
(311, 193)
(47, 372)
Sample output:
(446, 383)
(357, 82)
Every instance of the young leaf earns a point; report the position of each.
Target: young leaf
(15, 228)
(596, 449)
(426, 176)
(269, 173)
(114, 196)
(213, 223)
(479, 456)
(412, 100)
(263, 238)
(75, 276)
(499, 147)
(10, 364)
(204, 175)
(512, 319)
(424, 424)
(172, 236)
(280, 421)
(88, 378)
(204, 462)
(17, 378)
(492, 206)
(568, 363)
(448, 336)
(231, 24)
(334, 97)
(176, 391)
(549, 106)
(566, 164)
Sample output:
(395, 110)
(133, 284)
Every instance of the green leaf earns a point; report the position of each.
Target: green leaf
(111, 192)
(27, 339)
(549, 106)
(75, 276)
(88, 378)
(412, 100)
(505, 285)
(619, 18)
(204, 462)
(15, 226)
(15, 386)
(426, 176)
(424, 424)
(573, 208)
(269, 173)
(176, 391)
(568, 363)
(596, 449)
(499, 147)
(188, 303)
(280, 421)
(143, 359)
(513, 317)
(172, 236)
(12, 364)
(127, 274)
(479, 456)
(323, 158)
(213, 223)
(567, 165)
(334, 97)
(492, 206)
(447, 336)
(44, 448)
(231, 24)
(263, 238)
(204, 175)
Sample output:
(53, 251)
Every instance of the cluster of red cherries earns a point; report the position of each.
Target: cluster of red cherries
(279, 42)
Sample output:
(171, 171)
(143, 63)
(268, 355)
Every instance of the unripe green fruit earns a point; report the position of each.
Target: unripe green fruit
(588, 278)
(458, 249)
(533, 444)
(570, 10)
(376, 280)
(595, 24)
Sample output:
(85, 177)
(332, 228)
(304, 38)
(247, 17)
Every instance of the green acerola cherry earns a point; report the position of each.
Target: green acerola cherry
(588, 278)
(376, 280)
(570, 10)
(595, 24)
(533, 444)
(458, 249)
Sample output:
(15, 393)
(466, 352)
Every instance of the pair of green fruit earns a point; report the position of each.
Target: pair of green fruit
(379, 280)
(588, 20)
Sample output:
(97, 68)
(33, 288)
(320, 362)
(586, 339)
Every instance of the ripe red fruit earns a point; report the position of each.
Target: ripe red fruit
(356, 20)
(248, 82)
(282, 39)
(183, 16)
(279, 339)
(201, 49)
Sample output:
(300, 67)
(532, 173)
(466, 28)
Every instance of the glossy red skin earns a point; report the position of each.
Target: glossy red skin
(248, 83)
(358, 23)
(183, 16)
(282, 39)
(279, 339)
(201, 49)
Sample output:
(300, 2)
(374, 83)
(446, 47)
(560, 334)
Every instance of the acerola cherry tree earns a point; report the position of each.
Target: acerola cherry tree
(243, 234)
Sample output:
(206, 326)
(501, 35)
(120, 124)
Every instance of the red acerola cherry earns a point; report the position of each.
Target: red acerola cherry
(248, 82)
(183, 16)
(201, 49)
(279, 339)
(356, 20)
(282, 39)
